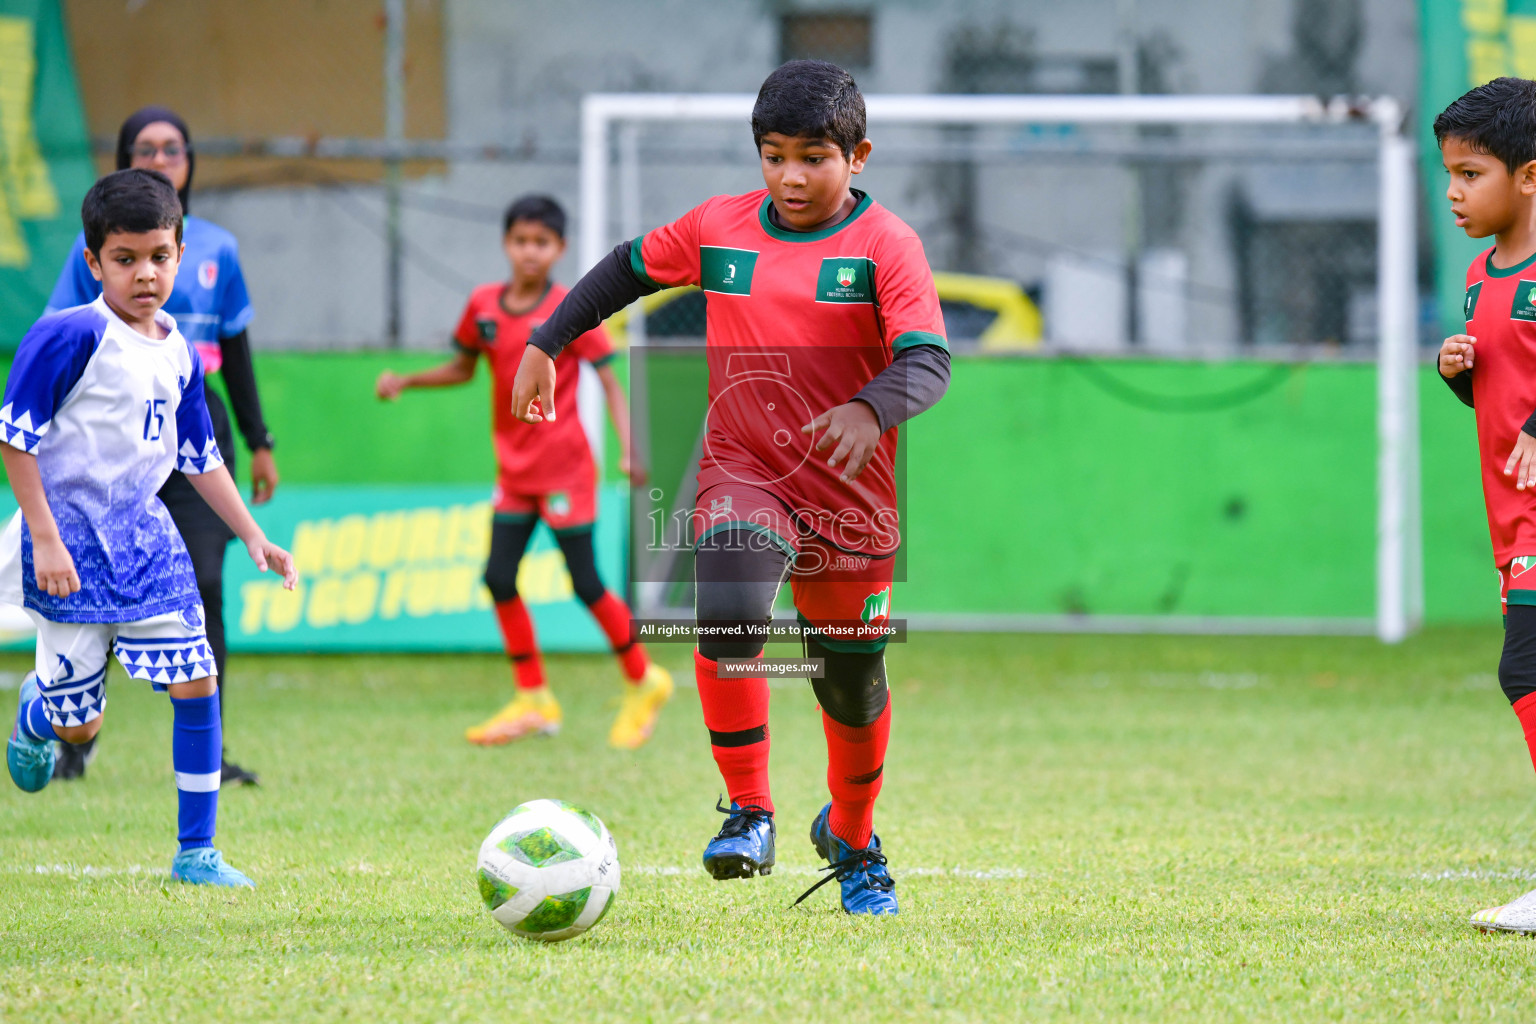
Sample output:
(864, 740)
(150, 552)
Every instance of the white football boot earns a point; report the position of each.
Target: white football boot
(1519, 916)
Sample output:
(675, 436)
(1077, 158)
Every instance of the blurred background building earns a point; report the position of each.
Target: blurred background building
(1160, 239)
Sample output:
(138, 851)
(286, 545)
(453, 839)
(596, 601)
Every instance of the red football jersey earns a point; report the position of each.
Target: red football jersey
(1500, 309)
(534, 458)
(796, 323)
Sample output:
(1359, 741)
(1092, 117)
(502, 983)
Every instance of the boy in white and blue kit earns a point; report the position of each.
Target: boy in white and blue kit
(102, 402)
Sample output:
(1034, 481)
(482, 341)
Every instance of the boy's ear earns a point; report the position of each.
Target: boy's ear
(860, 155)
(92, 262)
(1525, 178)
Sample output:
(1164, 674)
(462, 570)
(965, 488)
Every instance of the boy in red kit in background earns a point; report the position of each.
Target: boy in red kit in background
(1488, 145)
(544, 474)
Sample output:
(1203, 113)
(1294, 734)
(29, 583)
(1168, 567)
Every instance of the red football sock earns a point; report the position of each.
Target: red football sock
(736, 715)
(855, 764)
(613, 615)
(1525, 709)
(522, 647)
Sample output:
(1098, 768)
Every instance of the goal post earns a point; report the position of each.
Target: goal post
(1398, 558)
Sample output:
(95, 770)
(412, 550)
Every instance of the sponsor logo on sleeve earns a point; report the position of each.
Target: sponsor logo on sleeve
(726, 271)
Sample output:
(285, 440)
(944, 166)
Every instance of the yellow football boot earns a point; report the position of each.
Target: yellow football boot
(642, 704)
(530, 713)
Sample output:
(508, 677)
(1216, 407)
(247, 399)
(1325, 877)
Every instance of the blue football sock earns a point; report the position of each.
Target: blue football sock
(33, 720)
(196, 745)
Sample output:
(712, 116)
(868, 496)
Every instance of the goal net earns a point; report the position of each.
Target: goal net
(1184, 342)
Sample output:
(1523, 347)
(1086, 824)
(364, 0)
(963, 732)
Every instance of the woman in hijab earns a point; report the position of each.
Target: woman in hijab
(212, 309)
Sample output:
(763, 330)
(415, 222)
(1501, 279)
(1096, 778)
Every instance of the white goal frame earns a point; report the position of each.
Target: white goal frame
(1399, 548)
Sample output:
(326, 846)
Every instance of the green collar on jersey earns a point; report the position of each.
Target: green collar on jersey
(1494, 271)
(775, 231)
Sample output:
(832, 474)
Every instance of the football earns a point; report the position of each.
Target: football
(549, 870)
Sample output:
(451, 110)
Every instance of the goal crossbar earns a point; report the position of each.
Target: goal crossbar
(1399, 563)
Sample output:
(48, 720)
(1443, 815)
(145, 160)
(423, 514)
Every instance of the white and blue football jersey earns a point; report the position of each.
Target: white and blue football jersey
(108, 412)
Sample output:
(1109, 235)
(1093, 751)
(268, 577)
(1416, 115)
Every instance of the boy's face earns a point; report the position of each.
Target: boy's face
(137, 271)
(1486, 198)
(532, 249)
(808, 178)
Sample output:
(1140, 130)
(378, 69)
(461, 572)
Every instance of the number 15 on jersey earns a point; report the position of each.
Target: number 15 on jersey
(154, 418)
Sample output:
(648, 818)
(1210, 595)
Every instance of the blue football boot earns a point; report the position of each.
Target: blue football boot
(868, 887)
(30, 761)
(744, 845)
(203, 865)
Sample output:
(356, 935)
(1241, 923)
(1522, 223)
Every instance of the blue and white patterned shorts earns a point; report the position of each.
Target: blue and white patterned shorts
(72, 659)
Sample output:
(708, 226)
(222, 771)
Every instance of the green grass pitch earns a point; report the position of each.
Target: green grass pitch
(1081, 827)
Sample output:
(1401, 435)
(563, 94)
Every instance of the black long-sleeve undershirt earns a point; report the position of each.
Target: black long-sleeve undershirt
(1461, 386)
(240, 382)
(914, 382)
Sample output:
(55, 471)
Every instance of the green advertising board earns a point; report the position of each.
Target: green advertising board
(45, 159)
(397, 568)
(1464, 43)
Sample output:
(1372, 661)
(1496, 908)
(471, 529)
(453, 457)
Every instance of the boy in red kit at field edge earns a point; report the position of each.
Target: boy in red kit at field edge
(545, 473)
(1488, 145)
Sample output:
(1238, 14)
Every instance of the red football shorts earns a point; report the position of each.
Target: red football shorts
(842, 597)
(569, 508)
(1517, 582)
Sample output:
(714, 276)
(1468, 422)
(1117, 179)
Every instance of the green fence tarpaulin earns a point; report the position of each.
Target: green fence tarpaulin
(45, 159)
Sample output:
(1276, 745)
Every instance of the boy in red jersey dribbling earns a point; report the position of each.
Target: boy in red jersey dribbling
(823, 334)
(1488, 145)
(544, 474)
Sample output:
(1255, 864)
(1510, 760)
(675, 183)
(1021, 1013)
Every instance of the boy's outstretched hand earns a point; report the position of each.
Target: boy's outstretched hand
(1456, 354)
(533, 389)
(389, 386)
(267, 555)
(855, 429)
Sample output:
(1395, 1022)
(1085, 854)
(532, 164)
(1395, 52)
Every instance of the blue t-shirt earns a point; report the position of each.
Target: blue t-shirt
(209, 301)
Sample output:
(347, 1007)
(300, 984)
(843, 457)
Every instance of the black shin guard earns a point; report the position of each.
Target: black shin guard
(853, 690)
(1517, 665)
(581, 563)
(736, 578)
(509, 539)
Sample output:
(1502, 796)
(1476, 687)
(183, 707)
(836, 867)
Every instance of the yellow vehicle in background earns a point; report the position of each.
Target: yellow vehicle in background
(993, 311)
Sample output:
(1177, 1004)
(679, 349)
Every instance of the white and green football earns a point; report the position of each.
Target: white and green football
(549, 870)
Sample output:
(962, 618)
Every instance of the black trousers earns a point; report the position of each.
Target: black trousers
(206, 536)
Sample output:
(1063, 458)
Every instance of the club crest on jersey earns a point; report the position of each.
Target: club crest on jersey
(1469, 304)
(486, 327)
(876, 606)
(845, 279)
(208, 273)
(1524, 307)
